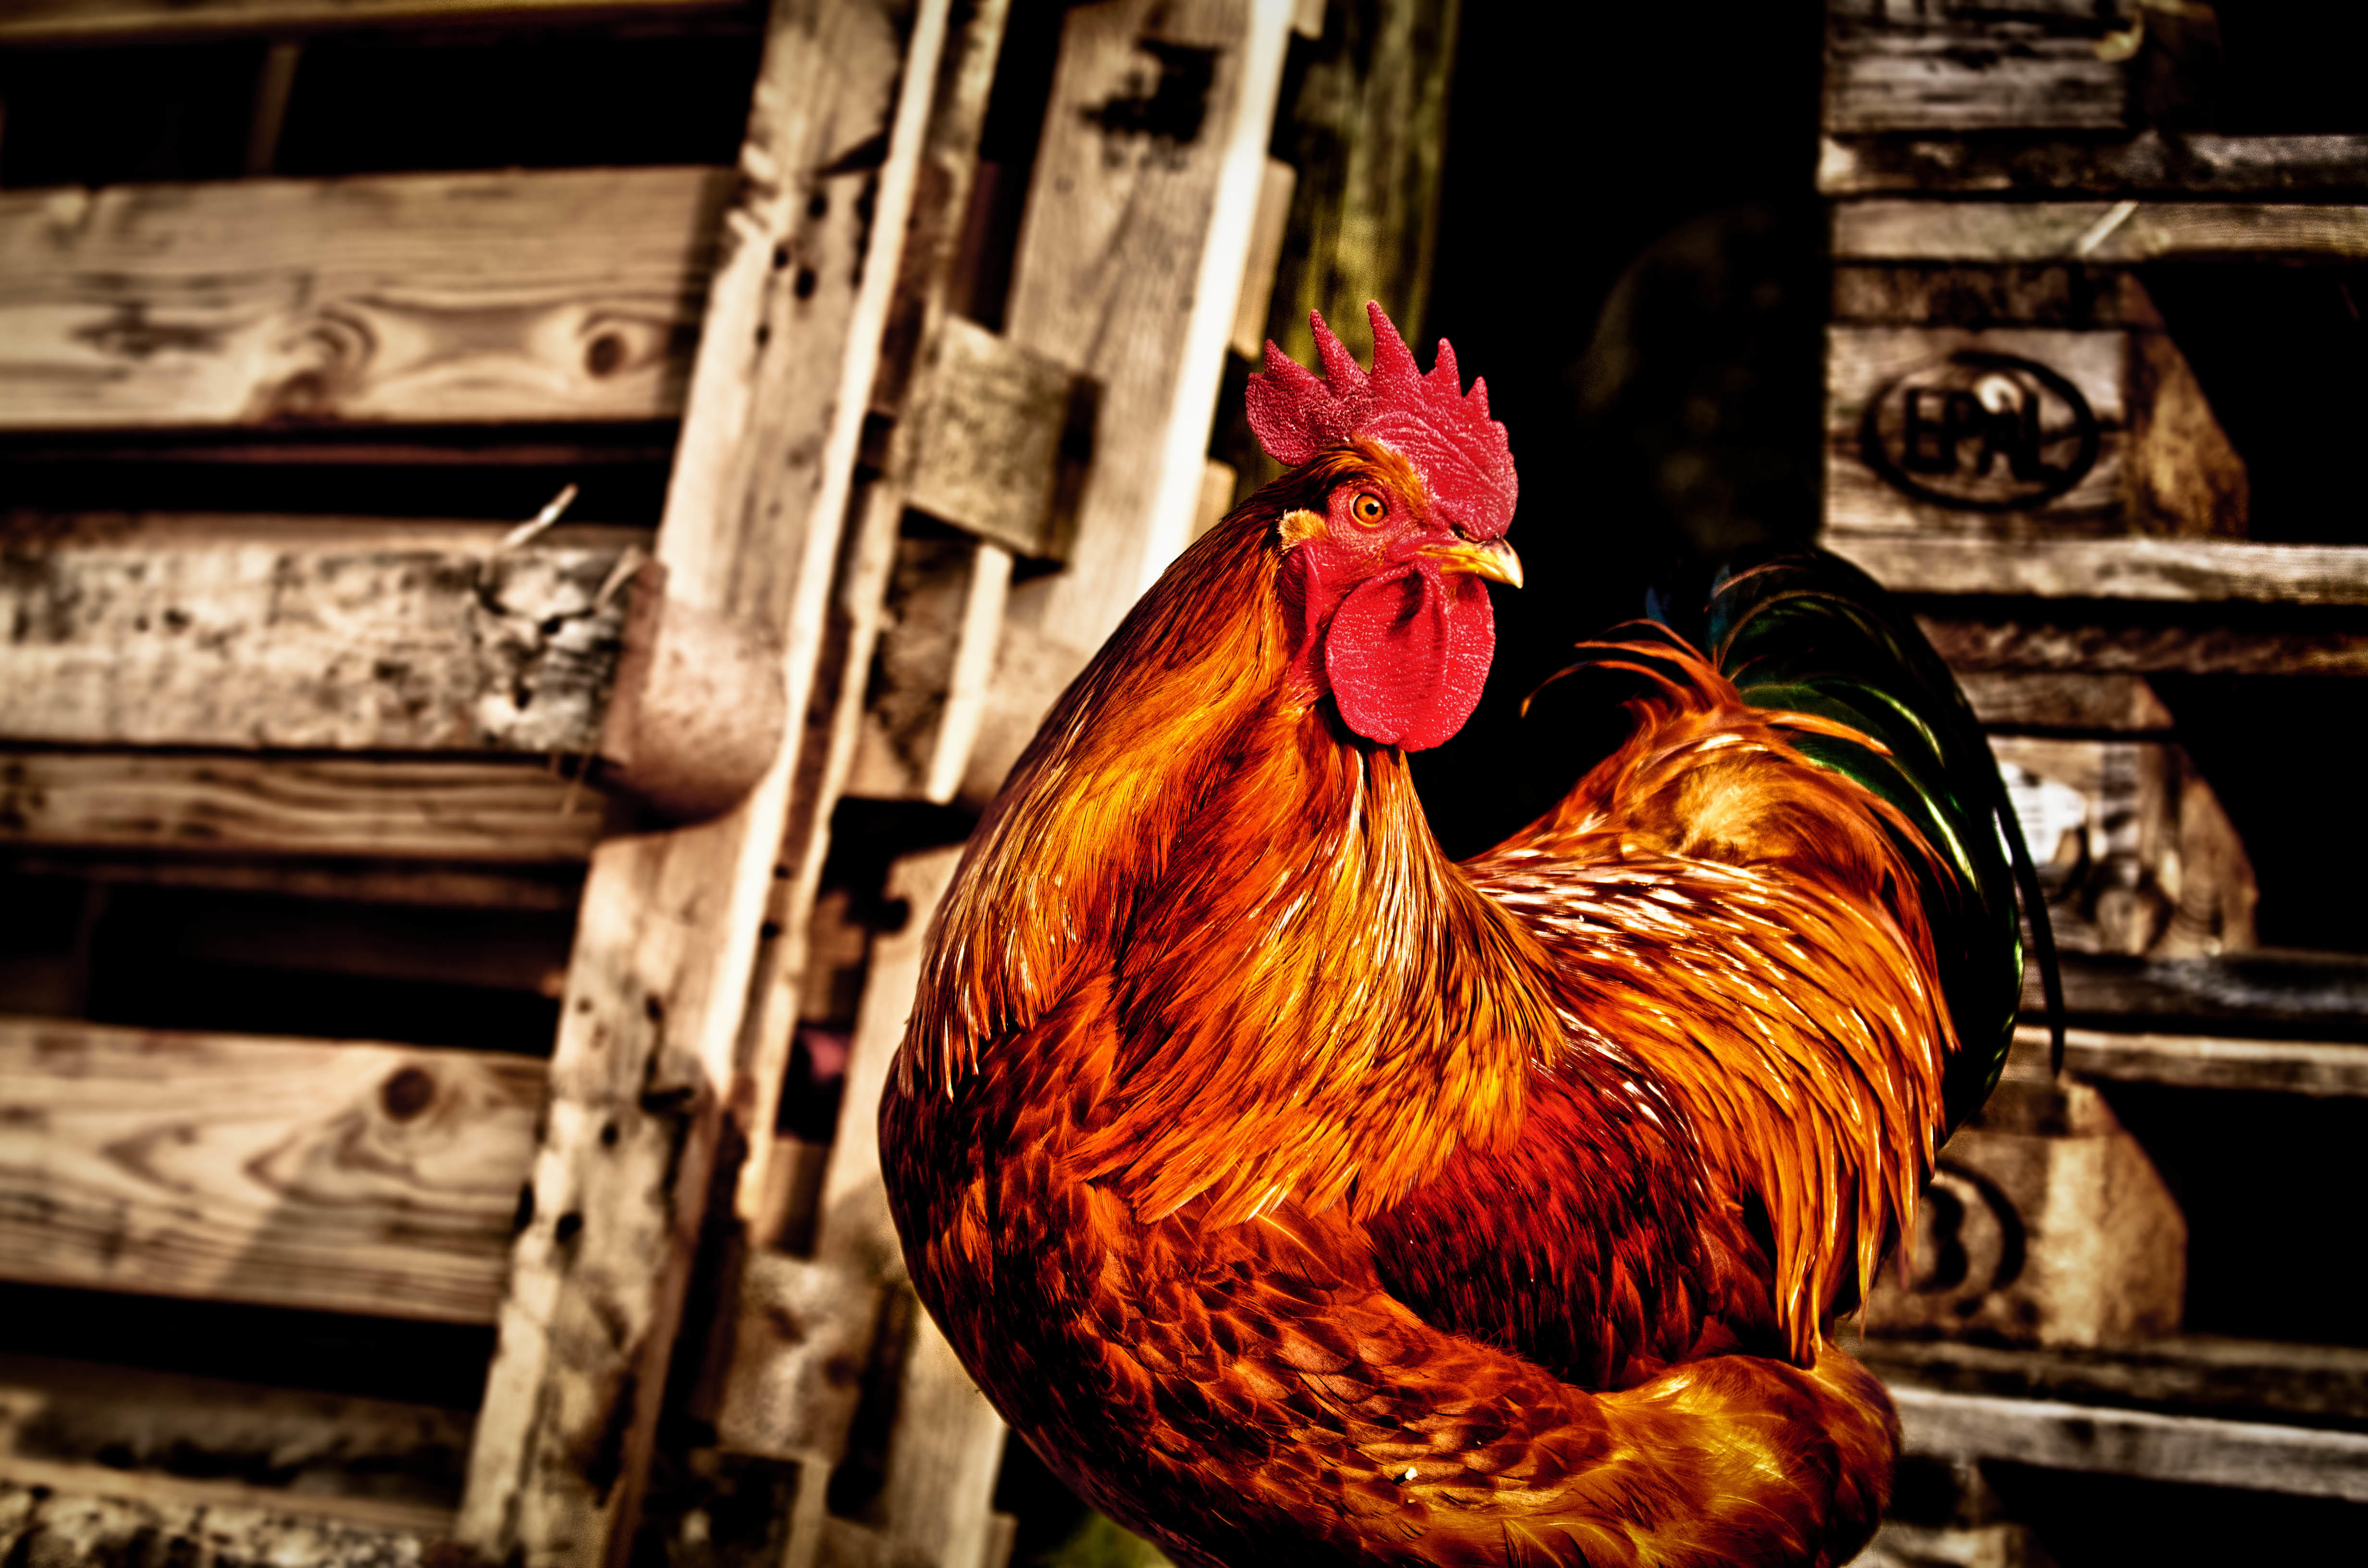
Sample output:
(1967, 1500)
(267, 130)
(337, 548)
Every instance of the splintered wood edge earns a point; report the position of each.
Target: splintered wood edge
(2193, 1449)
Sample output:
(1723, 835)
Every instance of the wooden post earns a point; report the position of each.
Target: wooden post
(668, 925)
(1130, 268)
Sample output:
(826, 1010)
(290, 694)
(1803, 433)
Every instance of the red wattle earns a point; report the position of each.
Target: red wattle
(1406, 655)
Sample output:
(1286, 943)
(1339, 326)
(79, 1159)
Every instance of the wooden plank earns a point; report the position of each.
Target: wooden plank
(652, 1033)
(2191, 1450)
(857, 638)
(2194, 571)
(346, 1177)
(150, 21)
(498, 812)
(2206, 1061)
(2305, 996)
(2103, 232)
(2039, 640)
(97, 1517)
(1947, 68)
(2153, 163)
(249, 631)
(567, 294)
(1130, 270)
(2188, 1375)
(334, 1446)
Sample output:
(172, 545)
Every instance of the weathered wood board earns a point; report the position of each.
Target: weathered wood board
(2205, 1061)
(2266, 991)
(142, 22)
(349, 1177)
(1958, 66)
(2066, 638)
(2184, 1374)
(2152, 162)
(262, 632)
(651, 1040)
(336, 1446)
(445, 299)
(2195, 1450)
(497, 813)
(2125, 233)
(2191, 571)
(93, 1516)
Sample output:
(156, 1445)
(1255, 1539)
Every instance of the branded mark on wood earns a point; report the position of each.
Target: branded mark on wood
(1981, 431)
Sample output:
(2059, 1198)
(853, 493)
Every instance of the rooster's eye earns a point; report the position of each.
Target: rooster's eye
(1368, 507)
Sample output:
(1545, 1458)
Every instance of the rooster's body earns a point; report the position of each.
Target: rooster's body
(1303, 1197)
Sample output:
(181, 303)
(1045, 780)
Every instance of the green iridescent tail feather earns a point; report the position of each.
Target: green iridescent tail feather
(1813, 634)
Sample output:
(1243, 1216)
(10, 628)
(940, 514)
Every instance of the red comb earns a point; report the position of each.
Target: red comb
(1427, 420)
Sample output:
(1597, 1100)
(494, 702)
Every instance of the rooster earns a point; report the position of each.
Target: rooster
(1303, 1197)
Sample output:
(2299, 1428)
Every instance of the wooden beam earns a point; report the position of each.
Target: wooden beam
(250, 632)
(2189, 1450)
(2206, 1061)
(343, 1176)
(333, 1446)
(652, 1029)
(2099, 233)
(2048, 638)
(2181, 1374)
(153, 21)
(99, 1517)
(2194, 571)
(2237, 994)
(494, 812)
(568, 294)
(2050, 167)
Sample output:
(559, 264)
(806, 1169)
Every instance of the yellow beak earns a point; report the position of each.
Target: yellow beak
(1491, 558)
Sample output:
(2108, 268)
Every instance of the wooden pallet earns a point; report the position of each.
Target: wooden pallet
(390, 742)
(2017, 442)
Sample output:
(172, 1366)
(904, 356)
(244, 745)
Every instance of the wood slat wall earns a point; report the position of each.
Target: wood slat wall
(569, 294)
(337, 1175)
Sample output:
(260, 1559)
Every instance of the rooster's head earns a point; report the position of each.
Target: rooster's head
(1400, 491)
